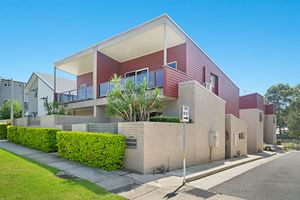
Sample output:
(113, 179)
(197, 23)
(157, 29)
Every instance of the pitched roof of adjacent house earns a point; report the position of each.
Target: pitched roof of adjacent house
(62, 84)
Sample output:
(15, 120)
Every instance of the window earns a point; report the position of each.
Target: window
(274, 120)
(172, 65)
(241, 135)
(104, 89)
(82, 92)
(260, 116)
(141, 75)
(129, 74)
(137, 76)
(35, 94)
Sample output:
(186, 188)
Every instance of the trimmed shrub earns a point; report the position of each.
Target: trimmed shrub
(37, 138)
(166, 119)
(102, 150)
(3, 131)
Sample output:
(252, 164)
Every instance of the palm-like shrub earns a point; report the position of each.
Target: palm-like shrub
(132, 102)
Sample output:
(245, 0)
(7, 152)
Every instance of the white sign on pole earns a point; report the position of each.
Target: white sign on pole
(185, 116)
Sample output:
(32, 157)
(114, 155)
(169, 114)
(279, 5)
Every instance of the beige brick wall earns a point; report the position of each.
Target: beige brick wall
(134, 158)
(161, 143)
(234, 126)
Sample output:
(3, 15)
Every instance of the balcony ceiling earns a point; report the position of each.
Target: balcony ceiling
(142, 44)
(139, 41)
(78, 66)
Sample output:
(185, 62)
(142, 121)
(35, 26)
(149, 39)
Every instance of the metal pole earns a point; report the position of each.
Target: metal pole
(12, 102)
(54, 85)
(184, 157)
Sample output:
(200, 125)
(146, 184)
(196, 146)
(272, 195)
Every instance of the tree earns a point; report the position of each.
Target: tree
(293, 119)
(132, 102)
(53, 108)
(5, 110)
(281, 95)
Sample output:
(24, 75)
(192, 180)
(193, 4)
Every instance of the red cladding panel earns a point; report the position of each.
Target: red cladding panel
(106, 68)
(171, 79)
(252, 101)
(199, 67)
(270, 109)
(85, 79)
(155, 61)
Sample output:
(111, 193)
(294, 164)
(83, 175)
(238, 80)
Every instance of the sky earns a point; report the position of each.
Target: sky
(255, 42)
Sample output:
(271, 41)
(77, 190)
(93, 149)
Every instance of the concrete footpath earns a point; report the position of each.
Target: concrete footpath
(137, 186)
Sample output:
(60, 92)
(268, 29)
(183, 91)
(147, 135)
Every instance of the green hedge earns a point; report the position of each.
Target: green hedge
(102, 150)
(164, 119)
(38, 138)
(3, 131)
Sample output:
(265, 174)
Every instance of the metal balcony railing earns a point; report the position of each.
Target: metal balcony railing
(81, 94)
(154, 79)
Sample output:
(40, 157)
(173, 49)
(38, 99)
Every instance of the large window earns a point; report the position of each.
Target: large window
(137, 76)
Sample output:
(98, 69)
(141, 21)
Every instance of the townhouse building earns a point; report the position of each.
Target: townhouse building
(158, 50)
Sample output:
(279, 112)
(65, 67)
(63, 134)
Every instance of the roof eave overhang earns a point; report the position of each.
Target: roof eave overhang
(65, 64)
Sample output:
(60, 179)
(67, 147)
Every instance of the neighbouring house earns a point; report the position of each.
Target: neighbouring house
(40, 87)
(261, 121)
(18, 94)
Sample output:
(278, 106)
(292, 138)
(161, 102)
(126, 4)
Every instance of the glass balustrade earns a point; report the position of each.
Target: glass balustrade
(154, 79)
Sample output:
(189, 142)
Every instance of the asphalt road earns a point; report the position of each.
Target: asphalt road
(278, 179)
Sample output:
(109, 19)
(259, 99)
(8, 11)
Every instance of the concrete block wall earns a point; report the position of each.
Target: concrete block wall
(52, 120)
(270, 129)
(234, 127)
(161, 143)
(255, 128)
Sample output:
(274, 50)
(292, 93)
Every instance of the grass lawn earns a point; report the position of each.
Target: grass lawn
(24, 179)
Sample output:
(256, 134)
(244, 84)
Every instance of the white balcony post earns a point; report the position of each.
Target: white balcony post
(95, 79)
(165, 44)
(95, 73)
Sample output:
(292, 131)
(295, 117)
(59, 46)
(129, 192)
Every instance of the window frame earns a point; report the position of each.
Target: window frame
(173, 63)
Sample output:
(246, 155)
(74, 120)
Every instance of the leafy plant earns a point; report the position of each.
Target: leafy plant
(293, 119)
(53, 108)
(37, 138)
(103, 150)
(132, 102)
(281, 95)
(5, 110)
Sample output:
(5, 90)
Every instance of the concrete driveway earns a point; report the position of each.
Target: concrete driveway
(275, 180)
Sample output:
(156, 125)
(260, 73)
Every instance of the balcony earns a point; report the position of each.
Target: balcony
(154, 79)
(81, 94)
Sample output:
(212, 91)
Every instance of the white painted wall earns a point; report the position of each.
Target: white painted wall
(43, 91)
(32, 101)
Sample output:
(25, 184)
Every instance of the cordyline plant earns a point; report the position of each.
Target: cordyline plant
(132, 102)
